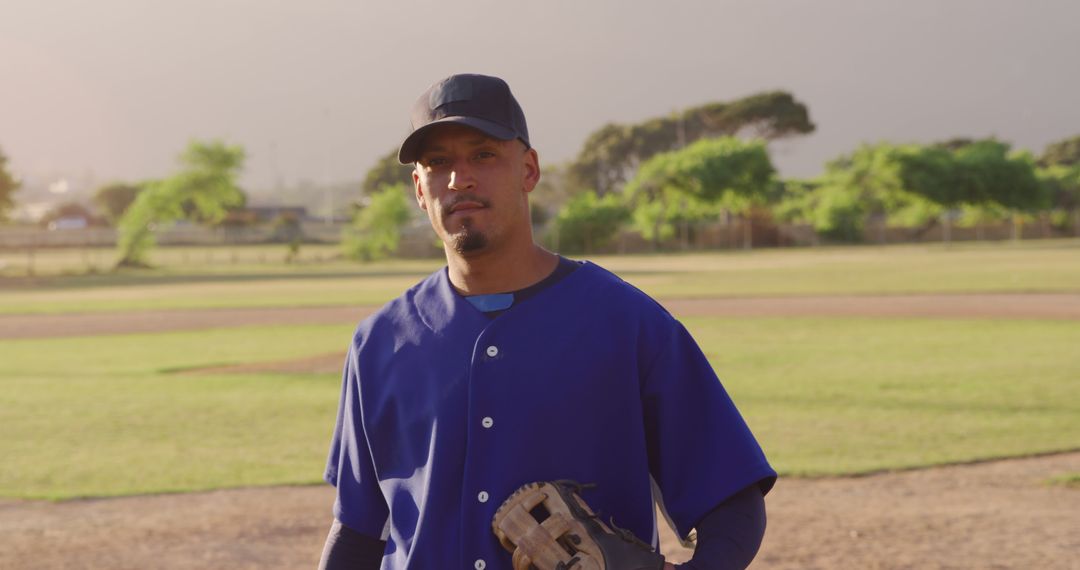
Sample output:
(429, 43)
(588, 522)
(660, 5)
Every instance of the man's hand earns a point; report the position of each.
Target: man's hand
(669, 566)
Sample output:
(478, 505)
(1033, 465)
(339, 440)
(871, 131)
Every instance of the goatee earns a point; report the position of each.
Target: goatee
(468, 240)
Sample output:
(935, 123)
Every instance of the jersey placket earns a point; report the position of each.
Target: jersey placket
(477, 503)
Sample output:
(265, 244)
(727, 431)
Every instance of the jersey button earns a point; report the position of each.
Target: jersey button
(487, 422)
(480, 564)
(492, 351)
(482, 497)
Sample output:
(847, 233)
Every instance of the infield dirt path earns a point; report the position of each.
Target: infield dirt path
(991, 515)
(1015, 305)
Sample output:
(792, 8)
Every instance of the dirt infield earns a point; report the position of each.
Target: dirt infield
(990, 515)
(1016, 305)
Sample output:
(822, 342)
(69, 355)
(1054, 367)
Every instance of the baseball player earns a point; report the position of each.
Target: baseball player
(513, 364)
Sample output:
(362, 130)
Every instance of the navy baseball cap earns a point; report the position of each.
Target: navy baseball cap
(478, 101)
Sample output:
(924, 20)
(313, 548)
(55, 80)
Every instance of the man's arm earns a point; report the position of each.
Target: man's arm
(729, 536)
(347, 549)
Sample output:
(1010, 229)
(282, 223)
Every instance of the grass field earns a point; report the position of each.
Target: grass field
(109, 415)
(856, 395)
(115, 414)
(75, 261)
(1071, 480)
(1044, 266)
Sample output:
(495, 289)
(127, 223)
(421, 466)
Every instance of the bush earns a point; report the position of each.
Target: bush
(588, 221)
(376, 229)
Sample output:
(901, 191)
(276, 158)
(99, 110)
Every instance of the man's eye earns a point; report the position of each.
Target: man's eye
(435, 161)
(485, 154)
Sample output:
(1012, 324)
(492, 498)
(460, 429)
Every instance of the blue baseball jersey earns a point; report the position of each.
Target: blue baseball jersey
(445, 412)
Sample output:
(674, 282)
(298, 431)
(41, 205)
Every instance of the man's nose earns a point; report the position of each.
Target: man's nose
(461, 177)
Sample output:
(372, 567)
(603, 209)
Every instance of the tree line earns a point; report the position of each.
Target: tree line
(671, 174)
(203, 190)
(962, 182)
(662, 177)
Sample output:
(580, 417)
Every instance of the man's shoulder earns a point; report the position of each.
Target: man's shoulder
(617, 290)
(400, 311)
(609, 291)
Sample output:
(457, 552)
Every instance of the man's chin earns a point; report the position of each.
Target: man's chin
(468, 242)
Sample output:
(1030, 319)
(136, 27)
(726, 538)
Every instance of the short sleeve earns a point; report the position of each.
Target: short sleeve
(700, 449)
(360, 504)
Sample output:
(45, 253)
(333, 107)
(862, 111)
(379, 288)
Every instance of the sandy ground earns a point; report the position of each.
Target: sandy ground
(1018, 305)
(990, 515)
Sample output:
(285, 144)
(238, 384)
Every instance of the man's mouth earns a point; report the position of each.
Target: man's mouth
(465, 206)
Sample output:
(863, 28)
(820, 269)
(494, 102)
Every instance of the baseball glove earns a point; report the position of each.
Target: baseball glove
(547, 526)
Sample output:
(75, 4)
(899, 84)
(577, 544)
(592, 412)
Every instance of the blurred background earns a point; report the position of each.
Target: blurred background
(101, 99)
(867, 212)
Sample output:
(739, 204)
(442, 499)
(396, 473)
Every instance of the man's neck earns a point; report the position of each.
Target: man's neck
(499, 272)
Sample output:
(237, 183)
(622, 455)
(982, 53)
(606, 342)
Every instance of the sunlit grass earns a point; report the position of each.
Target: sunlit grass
(1050, 266)
(830, 396)
(98, 416)
(1069, 480)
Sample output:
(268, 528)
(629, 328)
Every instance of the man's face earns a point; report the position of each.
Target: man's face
(474, 188)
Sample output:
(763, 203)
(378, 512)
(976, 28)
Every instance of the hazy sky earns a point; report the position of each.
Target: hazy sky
(319, 89)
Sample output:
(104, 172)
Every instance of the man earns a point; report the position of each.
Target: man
(513, 364)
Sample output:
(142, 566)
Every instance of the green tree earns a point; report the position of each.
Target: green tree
(1062, 153)
(387, 172)
(375, 231)
(550, 194)
(588, 221)
(203, 190)
(1060, 176)
(979, 172)
(917, 186)
(955, 143)
(114, 199)
(796, 200)
(1062, 187)
(978, 215)
(979, 178)
(695, 183)
(611, 155)
(866, 183)
(8, 186)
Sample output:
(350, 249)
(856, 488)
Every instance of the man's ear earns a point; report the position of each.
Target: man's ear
(532, 169)
(419, 190)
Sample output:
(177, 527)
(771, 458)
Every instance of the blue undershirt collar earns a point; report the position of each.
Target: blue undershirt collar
(494, 304)
(491, 302)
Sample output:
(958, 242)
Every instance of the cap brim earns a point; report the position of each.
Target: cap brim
(408, 153)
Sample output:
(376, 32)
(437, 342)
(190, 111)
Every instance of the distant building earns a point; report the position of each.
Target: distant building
(69, 223)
